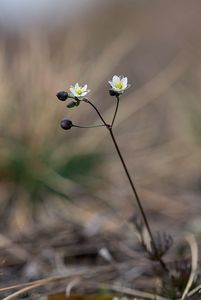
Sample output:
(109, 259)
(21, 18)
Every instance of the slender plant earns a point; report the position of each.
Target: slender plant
(118, 85)
(175, 277)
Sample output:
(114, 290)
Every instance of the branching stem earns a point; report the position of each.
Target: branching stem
(94, 126)
(116, 109)
(110, 129)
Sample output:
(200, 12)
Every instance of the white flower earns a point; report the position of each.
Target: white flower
(119, 84)
(79, 91)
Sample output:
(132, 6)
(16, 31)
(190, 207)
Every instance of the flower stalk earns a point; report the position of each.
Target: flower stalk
(119, 85)
(145, 219)
(116, 109)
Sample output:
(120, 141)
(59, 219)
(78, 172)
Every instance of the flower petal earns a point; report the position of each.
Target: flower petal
(124, 82)
(84, 88)
(111, 83)
(116, 89)
(72, 89)
(115, 79)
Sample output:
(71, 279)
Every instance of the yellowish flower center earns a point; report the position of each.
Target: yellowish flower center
(118, 85)
(79, 91)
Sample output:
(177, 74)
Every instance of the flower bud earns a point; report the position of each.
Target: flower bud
(62, 95)
(71, 104)
(113, 93)
(66, 124)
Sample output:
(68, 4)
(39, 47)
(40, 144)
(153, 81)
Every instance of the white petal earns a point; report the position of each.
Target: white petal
(116, 89)
(115, 79)
(124, 82)
(85, 93)
(77, 86)
(84, 88)
(72, 89)
(111, 83)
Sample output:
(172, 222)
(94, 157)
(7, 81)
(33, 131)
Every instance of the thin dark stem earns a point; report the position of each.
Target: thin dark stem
(131, 182)
(96, 109)
(94, 126)
(137, 197)
(109, 127)
(116, 109)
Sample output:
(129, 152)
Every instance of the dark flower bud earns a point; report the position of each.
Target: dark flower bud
(113, 93)
(66, 124)
(62, 96)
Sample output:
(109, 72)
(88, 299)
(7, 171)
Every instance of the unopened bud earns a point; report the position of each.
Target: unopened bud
(62, 95)
(66, 124)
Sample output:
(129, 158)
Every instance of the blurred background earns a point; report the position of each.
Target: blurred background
(49, 176)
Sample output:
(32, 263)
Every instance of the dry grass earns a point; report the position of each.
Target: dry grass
(154, 125)
(158, 126)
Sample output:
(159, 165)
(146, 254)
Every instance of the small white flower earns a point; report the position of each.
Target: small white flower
(119, 84)
(79, 91)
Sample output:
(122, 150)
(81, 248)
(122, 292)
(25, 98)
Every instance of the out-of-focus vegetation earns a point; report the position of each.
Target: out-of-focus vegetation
(156, 44)
(157, 47)
(37, 159)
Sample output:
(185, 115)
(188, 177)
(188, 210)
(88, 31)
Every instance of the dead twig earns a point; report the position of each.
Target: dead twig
(194, 263)
(26, 289)
(196, 290)
(131, 292)
(34, 284)
(41, 282)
